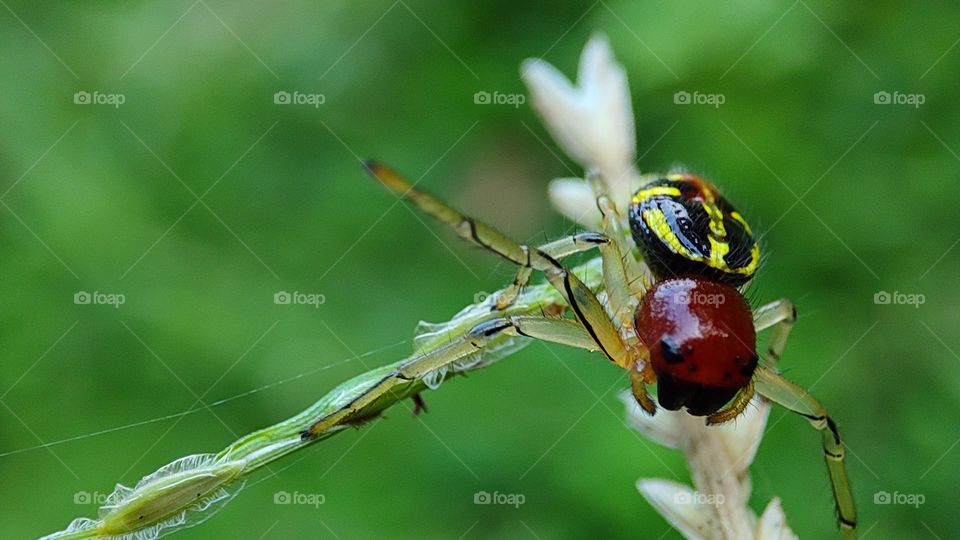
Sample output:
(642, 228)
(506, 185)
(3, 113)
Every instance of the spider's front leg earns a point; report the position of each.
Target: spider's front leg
(781, 315)
(617, 262)
(790, 396)
(584, 303)
(368, 401)
(558, 249)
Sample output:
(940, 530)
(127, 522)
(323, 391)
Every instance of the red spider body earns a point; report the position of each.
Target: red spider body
(701, 340)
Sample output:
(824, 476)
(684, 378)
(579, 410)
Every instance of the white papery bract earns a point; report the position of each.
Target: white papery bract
(719, 457)
(592, 121)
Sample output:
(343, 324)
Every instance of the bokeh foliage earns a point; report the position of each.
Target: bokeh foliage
(295, 213)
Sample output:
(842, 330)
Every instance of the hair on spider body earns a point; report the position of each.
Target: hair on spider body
(694, 321)
(684, 226)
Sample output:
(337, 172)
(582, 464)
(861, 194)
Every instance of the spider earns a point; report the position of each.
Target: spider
(686, 328)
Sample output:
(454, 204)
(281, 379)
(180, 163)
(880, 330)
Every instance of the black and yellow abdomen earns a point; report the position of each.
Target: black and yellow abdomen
(685, 227)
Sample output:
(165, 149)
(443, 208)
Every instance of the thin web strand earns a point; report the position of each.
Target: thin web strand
(194, 410)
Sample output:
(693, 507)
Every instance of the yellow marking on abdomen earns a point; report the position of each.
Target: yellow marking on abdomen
(644, 194)
(736, 216)
(657, 221)
(718, 250)
(719, 247)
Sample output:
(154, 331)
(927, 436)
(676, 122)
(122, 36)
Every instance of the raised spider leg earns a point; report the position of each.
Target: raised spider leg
(558, 249)
(584, 303)
(616, 261)
(781, 315)
(580, 298)
(790, 396)
(615, 264)
(615, 280)
(364, 404)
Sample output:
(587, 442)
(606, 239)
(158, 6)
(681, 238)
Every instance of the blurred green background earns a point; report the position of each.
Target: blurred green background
(98, 198)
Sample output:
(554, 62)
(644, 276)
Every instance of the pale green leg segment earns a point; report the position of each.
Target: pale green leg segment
(614, 274)
(364, 406)
(787, 394)
(558, 249)
(782, 315)
(589, 311)
(614, 261)
(612, 226)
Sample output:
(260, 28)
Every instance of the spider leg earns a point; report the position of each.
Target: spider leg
(557, 249)
(781, 315)
(615, 264)
(642, 375)
(369, 401)
(618, 263)
(736, 407)
(787, 394)
(614, 273)
(572, 333)
(584, 303)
